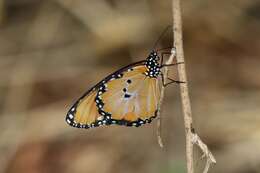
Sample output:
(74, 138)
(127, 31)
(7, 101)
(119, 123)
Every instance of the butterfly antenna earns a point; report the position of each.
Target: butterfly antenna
(162, 34)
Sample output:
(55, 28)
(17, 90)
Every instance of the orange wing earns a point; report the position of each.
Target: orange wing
(131, 100)
(84, 113)
(127, 97)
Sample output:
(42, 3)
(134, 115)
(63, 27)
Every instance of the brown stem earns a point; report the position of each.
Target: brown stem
(191, 137)
(178, 44)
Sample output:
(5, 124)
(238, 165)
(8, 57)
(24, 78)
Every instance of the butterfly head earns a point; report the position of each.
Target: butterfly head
(153, 65)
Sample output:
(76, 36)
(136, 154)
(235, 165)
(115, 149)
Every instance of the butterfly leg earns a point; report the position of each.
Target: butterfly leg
(168, 53)
(175, 81)
(173, 64)
(164, 53)
(171, 81)
(166, 65)
(172, 52)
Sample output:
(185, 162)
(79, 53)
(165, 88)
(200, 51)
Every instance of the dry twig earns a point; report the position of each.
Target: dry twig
(191, 137)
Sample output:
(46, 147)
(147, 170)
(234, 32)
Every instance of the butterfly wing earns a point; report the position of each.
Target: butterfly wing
(132, 99)
(86, 112)
(127, 97)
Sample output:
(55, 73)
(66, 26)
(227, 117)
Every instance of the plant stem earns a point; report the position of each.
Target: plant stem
(178, 44)
(191, 137)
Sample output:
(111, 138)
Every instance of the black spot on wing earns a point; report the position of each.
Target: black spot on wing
(127, 95)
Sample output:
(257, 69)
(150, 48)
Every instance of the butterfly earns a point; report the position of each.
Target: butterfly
(127, 97)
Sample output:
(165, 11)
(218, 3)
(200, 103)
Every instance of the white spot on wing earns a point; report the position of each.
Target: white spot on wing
(70, 116)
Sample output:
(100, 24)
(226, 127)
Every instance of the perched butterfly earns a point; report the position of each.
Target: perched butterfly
(126, 97)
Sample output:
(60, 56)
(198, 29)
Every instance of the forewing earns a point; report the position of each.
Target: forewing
(87, 112)
(132, 100)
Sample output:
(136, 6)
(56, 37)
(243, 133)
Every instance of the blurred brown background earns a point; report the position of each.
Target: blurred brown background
(51, 51)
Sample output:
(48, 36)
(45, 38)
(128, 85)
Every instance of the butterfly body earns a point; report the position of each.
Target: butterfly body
(127, 97)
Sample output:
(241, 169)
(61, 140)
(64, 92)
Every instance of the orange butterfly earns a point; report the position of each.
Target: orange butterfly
(126, 97)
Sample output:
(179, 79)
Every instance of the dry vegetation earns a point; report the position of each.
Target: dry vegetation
(51, 51)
